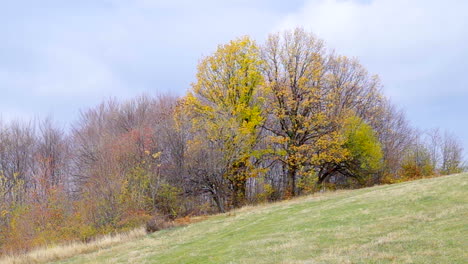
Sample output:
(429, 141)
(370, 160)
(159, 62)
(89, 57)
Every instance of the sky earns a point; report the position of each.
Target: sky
(58, 58)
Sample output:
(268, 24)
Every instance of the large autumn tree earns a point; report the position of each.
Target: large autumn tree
(301, 122)
(225, 111)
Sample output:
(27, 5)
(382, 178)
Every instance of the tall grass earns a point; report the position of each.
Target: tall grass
(57, 252)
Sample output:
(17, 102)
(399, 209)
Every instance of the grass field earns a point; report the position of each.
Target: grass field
(424, 221)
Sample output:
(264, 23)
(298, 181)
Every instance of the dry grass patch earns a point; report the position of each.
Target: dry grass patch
(54, 253)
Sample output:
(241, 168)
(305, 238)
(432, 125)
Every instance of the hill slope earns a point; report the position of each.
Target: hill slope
(423, 221)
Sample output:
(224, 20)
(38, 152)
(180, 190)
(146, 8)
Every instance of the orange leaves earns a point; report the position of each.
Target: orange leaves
(134, 142)
(37, 223)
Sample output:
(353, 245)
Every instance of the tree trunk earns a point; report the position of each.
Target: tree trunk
(292, 171)
(219, 203)
(239, 187)
(324, 173)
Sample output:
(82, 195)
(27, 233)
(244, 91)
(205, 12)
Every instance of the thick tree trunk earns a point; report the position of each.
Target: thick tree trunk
(219, 203)
(239, 188)
(324, 174)
(292, 174)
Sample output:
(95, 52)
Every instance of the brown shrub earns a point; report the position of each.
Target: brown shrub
(157, 223)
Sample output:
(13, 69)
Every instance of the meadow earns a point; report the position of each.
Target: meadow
(423, 221)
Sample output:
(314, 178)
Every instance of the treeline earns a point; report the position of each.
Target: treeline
(261, 123)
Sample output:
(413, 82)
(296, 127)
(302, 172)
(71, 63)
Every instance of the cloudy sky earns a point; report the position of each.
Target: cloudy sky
(57, 57)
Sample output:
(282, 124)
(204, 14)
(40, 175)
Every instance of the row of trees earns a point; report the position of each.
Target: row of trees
(261, 122)
(433, 153)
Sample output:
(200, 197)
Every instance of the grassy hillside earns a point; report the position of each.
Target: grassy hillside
(423, 221)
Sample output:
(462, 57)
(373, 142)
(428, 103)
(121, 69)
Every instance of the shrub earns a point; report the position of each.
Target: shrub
(158, 222)
(267, 193)
(169, 201)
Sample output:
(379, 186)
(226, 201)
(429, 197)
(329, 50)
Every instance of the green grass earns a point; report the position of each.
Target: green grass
(424, 221)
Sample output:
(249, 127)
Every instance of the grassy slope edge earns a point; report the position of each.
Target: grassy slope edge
(424, 221)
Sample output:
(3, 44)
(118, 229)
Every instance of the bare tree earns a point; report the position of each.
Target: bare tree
(452, 155)
(52, 157)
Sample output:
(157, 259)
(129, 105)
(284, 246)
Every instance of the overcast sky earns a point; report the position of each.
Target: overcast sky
(57, 57)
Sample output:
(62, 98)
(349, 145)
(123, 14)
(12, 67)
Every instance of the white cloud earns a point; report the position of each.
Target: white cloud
(403, 41)
(67, 56)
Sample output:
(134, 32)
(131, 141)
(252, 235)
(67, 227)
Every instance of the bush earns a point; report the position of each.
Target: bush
(266, 195)
(169, 201)
(157, 223)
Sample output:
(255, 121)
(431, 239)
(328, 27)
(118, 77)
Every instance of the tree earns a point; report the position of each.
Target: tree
(207, 170)
(301, 124)
(353, 88)
(452, 155)
(225, 110)
(417, 162)
(363, 153)
(17, 147)
(396, 137)
(51, 158)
